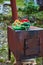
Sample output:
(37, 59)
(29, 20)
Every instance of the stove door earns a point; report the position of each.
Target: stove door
(32, 44)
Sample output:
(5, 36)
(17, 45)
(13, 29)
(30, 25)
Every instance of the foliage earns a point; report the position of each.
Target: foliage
(1, 17)
(3, 53)
(39, 60)
(38, 18)
(20, 3)
(12, 58)
(29, 8)
(6, 0)
(1, 1)
(39, 15)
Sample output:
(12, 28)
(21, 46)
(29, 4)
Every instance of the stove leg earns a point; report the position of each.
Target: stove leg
(9, 54)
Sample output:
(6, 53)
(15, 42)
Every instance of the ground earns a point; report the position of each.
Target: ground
(3, 46)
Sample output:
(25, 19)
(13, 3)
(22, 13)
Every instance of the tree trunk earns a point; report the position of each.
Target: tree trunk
(14, 9)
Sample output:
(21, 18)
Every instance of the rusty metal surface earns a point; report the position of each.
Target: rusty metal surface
(26, 43)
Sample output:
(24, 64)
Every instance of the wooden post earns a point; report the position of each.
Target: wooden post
(14, 9)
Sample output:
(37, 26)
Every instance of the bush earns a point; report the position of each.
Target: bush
(29, 8)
